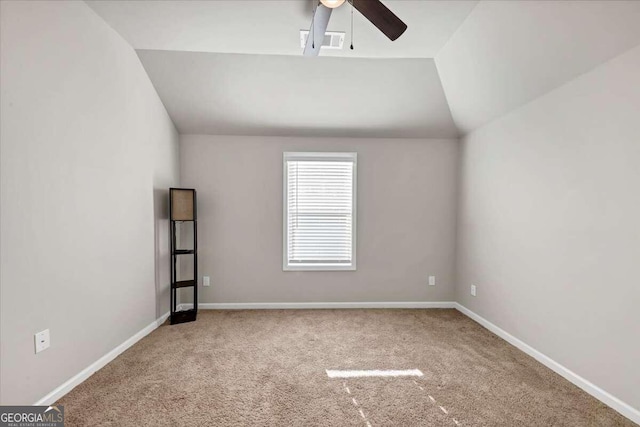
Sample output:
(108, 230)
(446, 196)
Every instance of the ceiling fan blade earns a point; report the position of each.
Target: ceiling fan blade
(380, 16)
(317, 30)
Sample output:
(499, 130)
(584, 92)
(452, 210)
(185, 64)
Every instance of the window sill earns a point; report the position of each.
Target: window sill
(307, 267)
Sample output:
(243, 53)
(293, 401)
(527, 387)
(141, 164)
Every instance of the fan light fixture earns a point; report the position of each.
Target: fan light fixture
(332, 4)
(376, 12)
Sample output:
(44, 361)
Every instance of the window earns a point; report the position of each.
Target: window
(319, 211)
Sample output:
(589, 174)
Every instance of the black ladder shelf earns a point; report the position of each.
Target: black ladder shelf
(182, 208)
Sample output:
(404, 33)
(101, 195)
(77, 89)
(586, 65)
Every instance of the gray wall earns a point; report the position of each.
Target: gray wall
(406, 219)
(86, 151)
(549, 225)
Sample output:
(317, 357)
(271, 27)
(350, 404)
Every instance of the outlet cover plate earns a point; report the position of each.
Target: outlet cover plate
(42, 340)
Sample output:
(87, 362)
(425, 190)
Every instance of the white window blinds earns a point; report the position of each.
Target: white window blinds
(319, 229)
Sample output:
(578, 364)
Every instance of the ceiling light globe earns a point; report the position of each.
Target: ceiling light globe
(332, 4)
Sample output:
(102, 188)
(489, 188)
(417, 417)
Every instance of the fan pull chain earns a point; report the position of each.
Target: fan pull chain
(352, 24)
(314, 8)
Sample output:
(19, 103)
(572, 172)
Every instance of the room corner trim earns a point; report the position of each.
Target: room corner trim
(318, 305)
(623, 408)
(77, 379)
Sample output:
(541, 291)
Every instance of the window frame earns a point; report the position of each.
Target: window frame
(318, 156)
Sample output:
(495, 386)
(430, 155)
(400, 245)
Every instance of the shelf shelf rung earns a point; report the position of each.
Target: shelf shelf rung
(184, 252)
(183, 284)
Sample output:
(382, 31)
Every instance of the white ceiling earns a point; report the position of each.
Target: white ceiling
(273, 27)
(231, 94)
(508, 53)
(491, 56)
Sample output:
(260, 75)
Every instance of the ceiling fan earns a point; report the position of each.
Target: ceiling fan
(376, 12)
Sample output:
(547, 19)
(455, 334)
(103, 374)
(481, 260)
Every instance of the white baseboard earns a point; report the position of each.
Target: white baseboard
(317, 305)
(68, 385)
(160, 320)
(595, 391)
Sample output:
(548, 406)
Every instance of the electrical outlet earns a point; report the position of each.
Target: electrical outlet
(473, 290)
(42, 340)
(432, 280)
(205, 281)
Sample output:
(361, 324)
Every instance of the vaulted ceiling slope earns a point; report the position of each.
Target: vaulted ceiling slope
(508, 53)
(231, 94)
(249, 77)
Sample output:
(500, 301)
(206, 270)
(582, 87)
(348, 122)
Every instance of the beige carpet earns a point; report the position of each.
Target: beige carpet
(267, 368)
